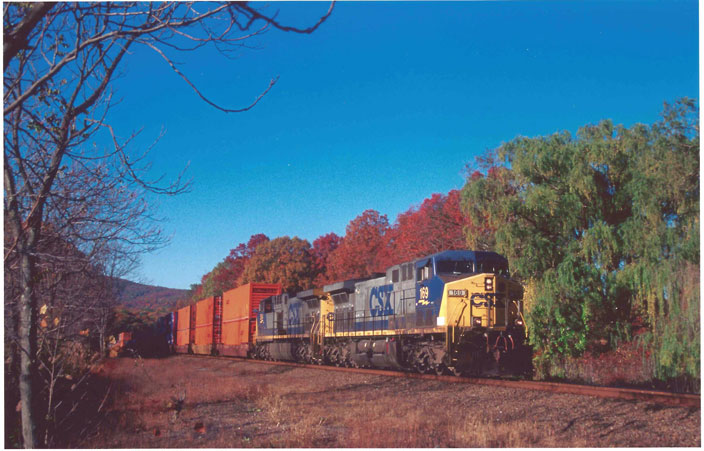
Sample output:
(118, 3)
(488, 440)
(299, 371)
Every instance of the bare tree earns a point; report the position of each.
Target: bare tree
(68, 288)
(59, 62)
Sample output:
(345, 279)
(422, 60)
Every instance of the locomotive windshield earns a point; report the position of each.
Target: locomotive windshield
(493, 267)
(457, 267)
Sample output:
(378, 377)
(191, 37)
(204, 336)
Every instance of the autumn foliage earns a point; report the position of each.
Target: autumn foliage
(364, 249)
(283, 260)
(228, 273)
(435, 225)
(370, 245)
(323, 247)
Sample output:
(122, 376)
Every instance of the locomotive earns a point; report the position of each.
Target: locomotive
(449, 312)
(456, 311)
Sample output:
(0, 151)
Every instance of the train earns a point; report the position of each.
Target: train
(452, 312)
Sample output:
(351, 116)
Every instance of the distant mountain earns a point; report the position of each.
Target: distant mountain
(137, 296)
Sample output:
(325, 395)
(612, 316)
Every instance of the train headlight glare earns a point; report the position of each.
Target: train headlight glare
(476, 321)
(519, 322)
(488, 284)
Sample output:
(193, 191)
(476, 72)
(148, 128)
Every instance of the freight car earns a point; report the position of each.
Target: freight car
(453, 311)
(154, 340)
(239, 307)
(222, 325)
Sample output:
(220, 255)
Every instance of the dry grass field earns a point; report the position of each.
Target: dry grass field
(189, 402)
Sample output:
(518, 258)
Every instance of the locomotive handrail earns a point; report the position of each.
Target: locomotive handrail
(457, 320)
(345, 324)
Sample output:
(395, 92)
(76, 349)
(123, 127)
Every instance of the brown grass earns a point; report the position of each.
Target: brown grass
(390, 422)
(625, 366)
(196, 402)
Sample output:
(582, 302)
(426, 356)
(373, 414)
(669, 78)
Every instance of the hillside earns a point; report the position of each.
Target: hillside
(137, 296)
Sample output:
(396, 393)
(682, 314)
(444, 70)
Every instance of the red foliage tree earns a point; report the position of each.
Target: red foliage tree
(228, 273)
(239, 256)
(435, 225)
(283, 260)
(364, 249)
(323, 246)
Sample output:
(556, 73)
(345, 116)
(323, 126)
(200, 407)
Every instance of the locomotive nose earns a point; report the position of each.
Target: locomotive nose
(479, 301)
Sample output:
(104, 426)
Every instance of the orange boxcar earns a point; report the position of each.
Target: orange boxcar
(238, 317)
(207, 325)
(183, 330)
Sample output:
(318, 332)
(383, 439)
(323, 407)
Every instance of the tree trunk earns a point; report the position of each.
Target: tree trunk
(28, 341)
(102, 337)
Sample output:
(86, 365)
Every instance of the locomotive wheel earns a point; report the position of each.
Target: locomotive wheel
(421, 361)
(455, 371)
(345, 359)
(334, 356)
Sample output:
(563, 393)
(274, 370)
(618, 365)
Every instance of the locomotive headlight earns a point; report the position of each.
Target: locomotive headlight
(519, 322)
(488, 284)
(477, 321)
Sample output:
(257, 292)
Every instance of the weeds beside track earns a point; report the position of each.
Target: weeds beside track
(652, 396)
(187, 402)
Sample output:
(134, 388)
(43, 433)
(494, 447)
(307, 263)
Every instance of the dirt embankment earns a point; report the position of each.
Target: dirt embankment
(189, 402)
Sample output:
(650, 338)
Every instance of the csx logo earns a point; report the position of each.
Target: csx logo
(486, 297)
(380, 300)
(294, 314)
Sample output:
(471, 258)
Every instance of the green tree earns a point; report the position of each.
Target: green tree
(604, 226)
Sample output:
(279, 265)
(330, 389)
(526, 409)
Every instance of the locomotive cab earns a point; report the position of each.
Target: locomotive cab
(472, 299)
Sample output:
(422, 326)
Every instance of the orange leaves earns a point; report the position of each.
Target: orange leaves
(283, 260)
(364, 249)
(370, 245)
(435, 225)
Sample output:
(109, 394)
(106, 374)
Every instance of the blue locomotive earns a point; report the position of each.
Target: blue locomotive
(453, 311)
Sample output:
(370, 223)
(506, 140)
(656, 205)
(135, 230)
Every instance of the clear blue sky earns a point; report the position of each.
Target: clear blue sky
(384, 105)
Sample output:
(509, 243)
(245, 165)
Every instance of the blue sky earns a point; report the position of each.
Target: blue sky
(382, 106)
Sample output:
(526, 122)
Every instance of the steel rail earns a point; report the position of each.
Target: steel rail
(658, 397)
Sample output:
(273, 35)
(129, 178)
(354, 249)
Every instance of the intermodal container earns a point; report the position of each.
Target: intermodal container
(207, 325)
(239, 318)
(183, 330)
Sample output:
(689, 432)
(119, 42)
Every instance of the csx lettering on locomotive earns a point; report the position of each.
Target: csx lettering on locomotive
(380, 300)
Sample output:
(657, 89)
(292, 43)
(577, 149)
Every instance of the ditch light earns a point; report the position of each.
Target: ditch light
(488, 284)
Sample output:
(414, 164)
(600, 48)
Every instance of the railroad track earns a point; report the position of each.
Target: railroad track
(658, 397)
